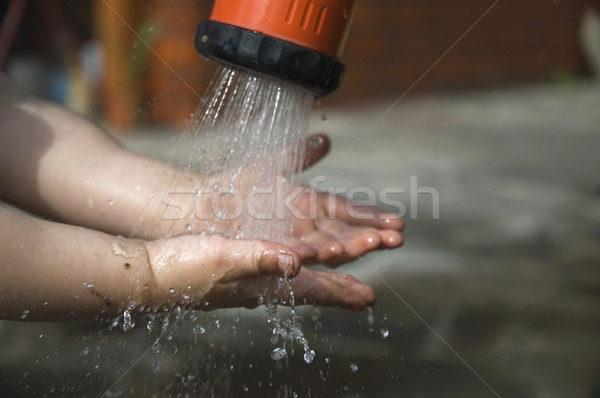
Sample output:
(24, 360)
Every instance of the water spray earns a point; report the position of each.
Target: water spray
(299, 41)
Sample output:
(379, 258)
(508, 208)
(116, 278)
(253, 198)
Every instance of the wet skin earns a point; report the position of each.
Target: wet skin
(59, 166)
(334, 237)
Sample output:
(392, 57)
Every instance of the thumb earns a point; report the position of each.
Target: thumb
(260, 258)
(315, 148)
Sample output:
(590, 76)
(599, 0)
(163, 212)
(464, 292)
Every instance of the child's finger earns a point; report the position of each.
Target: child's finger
(261, 258)
(316, 147)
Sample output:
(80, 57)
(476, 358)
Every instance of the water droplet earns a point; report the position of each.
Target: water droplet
(128, 322)
(111, 202)
(172, 290)
(324, 117)
(24, 314)
(150, 323)
(327, 360)
(198, 330)
(85, 351)
(188, 227)
(278, 353)
(370, 318)
(309, 356)
(384, 333)
(354, 367)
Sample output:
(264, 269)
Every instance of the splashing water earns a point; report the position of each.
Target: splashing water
(251, 129)
(128, 322)
(370, 319)
(246, 139)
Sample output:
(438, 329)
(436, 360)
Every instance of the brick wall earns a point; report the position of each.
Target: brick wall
(393, 43)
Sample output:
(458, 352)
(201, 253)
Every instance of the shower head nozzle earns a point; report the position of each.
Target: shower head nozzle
(299, 41)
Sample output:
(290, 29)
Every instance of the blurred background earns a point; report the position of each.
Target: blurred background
(121, 61)
(495, 122)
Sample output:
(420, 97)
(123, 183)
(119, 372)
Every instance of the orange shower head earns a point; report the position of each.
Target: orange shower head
(295, 40)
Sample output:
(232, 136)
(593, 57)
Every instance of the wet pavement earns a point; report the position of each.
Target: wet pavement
(496, 291)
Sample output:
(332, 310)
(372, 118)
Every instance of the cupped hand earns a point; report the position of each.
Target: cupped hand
(212, 271)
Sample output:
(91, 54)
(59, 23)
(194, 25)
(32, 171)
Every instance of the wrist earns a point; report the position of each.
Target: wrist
(182, 270)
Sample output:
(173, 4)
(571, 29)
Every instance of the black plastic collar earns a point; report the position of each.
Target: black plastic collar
(230, 44)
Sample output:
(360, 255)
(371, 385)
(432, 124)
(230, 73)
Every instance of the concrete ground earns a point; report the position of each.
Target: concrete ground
(498, 295)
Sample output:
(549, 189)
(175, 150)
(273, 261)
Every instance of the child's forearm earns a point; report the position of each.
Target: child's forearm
(56, 164)
(51, 271)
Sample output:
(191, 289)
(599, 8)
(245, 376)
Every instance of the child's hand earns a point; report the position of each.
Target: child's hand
(207, 272)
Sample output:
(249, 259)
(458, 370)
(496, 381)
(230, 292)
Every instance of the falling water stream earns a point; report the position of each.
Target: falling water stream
(251, 131)
(246, 140)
